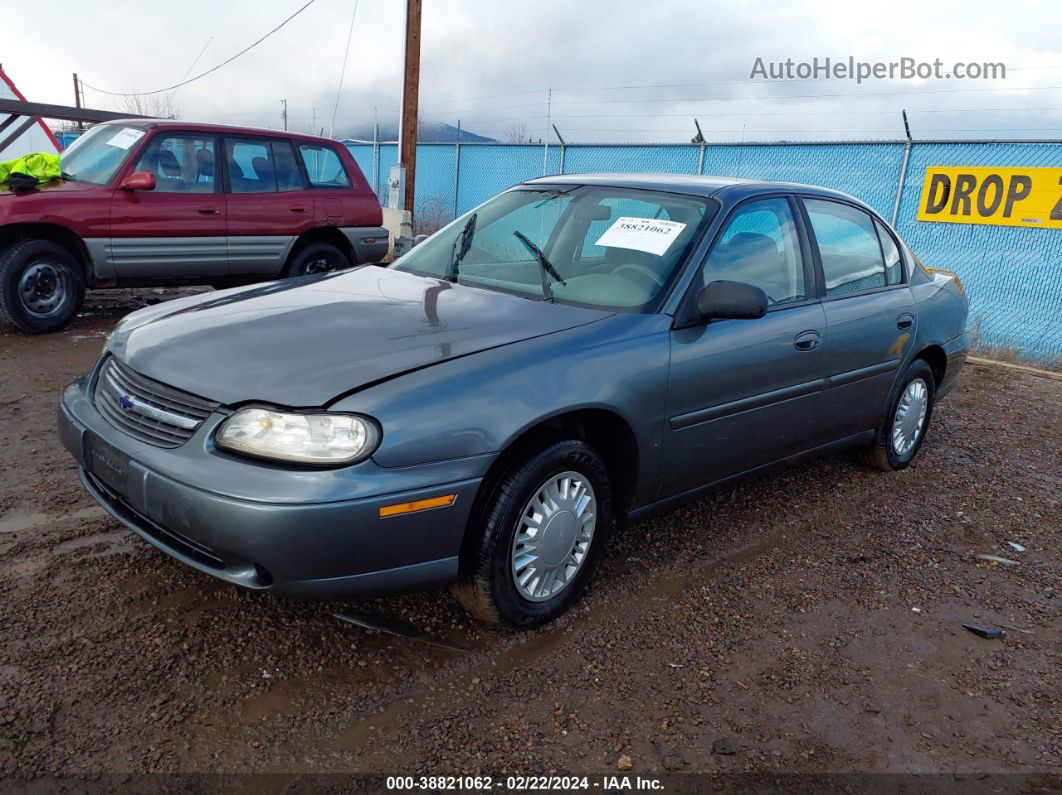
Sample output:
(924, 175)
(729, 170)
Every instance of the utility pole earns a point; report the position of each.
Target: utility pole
(285, 113)
(407, 156)
(77, 99)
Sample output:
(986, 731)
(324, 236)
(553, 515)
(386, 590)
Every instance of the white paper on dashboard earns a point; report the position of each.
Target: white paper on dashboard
(651, 235)
(125, 137)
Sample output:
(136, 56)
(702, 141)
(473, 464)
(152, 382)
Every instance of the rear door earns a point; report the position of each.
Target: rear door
(744, 393)
(268, 203)
(329, 180)
(177, 230)
(870, 314)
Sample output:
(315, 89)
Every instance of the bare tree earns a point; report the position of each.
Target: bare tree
(518, 133)
(432, 215)
(156, 106)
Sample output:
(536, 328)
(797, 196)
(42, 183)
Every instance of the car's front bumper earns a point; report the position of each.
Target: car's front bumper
(232, 518)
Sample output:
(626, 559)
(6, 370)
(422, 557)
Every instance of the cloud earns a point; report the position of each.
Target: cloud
(490, 64)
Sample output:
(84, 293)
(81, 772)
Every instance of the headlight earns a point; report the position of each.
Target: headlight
(302, 438)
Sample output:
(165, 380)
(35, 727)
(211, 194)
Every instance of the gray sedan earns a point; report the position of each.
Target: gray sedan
(577, 351)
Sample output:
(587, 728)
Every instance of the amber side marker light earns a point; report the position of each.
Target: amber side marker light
(417, 505)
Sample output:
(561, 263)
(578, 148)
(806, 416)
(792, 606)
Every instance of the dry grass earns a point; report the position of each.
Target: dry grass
(1011, 354)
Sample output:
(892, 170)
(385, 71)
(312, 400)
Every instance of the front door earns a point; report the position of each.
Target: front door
(269, 204)
(869, 308)
(744, 393)
(178, 229)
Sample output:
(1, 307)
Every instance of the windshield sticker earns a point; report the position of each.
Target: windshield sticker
(125, 137)
(651, 235)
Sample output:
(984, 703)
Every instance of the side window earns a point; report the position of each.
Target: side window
(759, 246)
(181, 163)
(848, 246)
(323, 166)
(250, 164)
(893, 262)
(288, 175)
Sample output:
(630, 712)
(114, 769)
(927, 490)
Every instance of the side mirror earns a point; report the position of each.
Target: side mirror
(723, 299)
(138, 180)
(419, 239)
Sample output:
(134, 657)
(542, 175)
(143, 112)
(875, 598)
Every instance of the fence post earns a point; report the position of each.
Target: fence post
(457, 165)
(700, 161)
(900, 183)
(376, 158)
(563, 146)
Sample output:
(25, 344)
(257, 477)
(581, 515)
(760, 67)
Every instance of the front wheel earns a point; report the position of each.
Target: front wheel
(541, 532)
(907, 416)
(317, 258)
(41, 286)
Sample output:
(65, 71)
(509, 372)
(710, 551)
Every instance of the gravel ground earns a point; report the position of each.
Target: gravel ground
(807, 621)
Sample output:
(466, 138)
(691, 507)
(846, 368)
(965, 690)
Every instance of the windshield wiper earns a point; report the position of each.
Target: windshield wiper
(456, 254)
(545, 266)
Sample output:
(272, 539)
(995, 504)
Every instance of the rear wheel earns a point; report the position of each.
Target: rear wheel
(317, 258)
(539, 537)
(41, 286)
(903, 429)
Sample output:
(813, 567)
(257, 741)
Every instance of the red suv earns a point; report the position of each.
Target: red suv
(147, 202)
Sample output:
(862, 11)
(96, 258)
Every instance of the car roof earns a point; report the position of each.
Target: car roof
(728, 189)
(180, 124)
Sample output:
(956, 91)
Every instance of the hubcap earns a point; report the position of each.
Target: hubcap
(553, 536)
(319, 265)
(910, 417)
(42, 289)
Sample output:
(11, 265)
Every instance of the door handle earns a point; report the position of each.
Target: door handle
(904, 321)
(806, 341)
(297, 209)
(209, 211)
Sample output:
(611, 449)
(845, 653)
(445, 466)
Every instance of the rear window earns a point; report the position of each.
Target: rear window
(323, 166)
(848, 246)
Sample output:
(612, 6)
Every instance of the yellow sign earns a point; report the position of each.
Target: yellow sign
(998, 196)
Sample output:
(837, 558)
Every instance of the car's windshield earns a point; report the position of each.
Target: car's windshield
(610, 248)
(98, 154)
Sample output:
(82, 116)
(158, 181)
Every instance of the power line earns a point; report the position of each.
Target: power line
(806, 96)
(738, 114)
(188, 71)
(542, 102)
(863, 130)
(343, 71)
(208, 71)
(780, 113)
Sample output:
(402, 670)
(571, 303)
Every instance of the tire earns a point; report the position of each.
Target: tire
(317, 258)
(883, 453)
(42, 286)
(488, 587)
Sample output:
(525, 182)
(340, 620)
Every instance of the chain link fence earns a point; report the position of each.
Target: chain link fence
(1013, 275)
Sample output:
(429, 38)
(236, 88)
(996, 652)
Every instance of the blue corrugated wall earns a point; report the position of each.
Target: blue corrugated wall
(1013, 275)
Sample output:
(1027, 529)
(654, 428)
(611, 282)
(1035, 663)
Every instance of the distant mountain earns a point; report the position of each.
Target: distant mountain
(428, 132)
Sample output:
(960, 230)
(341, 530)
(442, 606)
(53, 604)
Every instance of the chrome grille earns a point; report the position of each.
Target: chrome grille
(145, 409)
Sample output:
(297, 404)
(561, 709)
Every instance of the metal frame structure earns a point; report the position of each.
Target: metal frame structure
(23, 115)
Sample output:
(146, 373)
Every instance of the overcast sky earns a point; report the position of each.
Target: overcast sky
(489, 63)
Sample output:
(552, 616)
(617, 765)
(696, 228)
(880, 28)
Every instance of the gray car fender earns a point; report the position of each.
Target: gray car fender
(480, 403)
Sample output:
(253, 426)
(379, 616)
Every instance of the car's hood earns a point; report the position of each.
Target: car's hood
(53, 186)
(303, 342)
